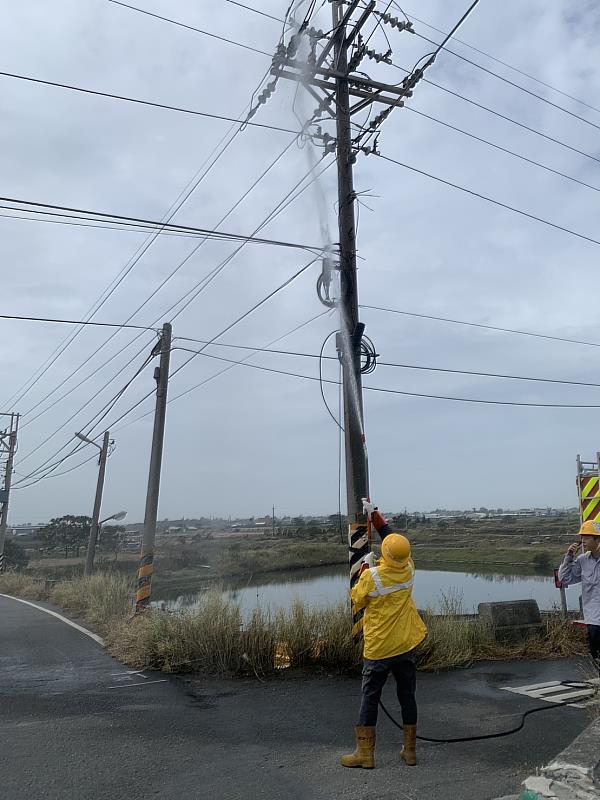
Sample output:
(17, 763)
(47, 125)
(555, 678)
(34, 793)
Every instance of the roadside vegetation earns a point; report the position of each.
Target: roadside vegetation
(218, 640)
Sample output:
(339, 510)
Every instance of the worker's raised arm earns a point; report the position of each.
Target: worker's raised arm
(378, 521)
(569, 571)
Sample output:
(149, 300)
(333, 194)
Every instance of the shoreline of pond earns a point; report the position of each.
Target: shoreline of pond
(440, 583)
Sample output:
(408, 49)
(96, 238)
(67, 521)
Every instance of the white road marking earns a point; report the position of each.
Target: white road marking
(129, 685)
(77, 627)
(549, 690)
(138, 673)
(557, 692)
(566, 696)
(534, 686)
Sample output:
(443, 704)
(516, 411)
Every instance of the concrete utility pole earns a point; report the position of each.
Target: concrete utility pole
(146, 566)
(357, 478)
(93, 540)
(5, 494)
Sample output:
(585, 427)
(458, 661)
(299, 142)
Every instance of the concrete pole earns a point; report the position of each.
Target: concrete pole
(357, 480)
(357, 469)
(12, 447)
(146, 566)
(93, 540)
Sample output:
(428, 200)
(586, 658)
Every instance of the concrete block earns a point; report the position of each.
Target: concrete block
(513, 620)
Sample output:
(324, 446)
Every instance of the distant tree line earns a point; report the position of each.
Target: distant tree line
(71, 533)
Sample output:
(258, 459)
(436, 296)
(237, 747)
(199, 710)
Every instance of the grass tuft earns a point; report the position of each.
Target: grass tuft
(102, 598)
(19, 585)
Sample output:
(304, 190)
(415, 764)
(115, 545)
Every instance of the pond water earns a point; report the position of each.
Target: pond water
(329, 585)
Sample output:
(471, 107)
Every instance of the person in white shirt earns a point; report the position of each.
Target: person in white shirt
(585, 569)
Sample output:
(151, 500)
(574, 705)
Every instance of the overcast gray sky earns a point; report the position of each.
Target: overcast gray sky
(250, 439)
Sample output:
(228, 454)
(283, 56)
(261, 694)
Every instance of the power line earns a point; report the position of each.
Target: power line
(91, 375)
(138, 101)
(454, 29)
(53, 474)
(505, 117)
(76, 322)
(154, 224)
(281, 206)
(265, 299)
(498, 203)
(224, 143)
(197, 289)
(380, 363)
(161, 286)
(282, 286)
(504, 63)
(268, 297)
(137, 256)
(482, 325)
(503, 149)
(46, 468)
(403, 393)
(128, 229)
(101, 414)
(216, 375)
(193, 293)
(256, 11)
(189, 27)
(290, 130)
(513, 84)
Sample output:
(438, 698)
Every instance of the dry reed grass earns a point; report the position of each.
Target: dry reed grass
(19, 585)
(102, 598)
(216, 639)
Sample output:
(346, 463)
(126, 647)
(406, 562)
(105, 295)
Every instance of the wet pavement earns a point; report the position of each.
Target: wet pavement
(75, 723)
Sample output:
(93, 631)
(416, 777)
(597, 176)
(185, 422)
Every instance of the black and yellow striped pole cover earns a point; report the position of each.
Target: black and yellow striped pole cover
(144, 581)
(358, 548)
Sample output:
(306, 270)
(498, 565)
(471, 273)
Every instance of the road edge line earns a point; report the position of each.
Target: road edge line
(98, 639)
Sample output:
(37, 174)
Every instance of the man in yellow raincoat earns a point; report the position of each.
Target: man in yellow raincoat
(392, 630)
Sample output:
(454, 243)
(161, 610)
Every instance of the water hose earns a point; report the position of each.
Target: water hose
(510, 732)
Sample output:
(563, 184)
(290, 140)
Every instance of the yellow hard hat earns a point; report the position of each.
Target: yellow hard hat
(590, 528)
(395, 550)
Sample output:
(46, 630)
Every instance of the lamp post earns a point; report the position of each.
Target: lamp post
(91, 548)
(118, 516)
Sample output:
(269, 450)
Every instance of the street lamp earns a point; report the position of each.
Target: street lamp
(118, 516)
(91, 548)
(86, 440)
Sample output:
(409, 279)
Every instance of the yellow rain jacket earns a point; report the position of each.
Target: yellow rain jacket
(392, 624)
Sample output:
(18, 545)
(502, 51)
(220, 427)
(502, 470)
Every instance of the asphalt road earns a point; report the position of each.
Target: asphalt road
(74, 723)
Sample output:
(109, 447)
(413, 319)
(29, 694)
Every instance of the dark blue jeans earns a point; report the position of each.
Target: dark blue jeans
(594, 640)
(374, 676)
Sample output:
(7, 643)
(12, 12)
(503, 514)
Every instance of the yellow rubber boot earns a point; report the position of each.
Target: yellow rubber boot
(408, 753)
(364, 755)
